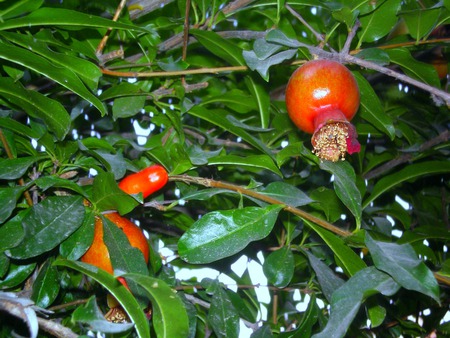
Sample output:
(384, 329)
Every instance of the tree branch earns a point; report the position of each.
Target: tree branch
(251, 193)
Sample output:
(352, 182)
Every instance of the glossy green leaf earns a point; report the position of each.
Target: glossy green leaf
(46, 286)
(220, 234)
(91, 314)
(116, 288)
(286, 193)
(309, 319)
(87, 71)
(218, 117)
(14, 168)
(108, 196)
(18, 128)
(48, 224)
(411, 171)
(36, 105)
(79, 242)
(235, 99)
(64, 17)
(219, 46)
(9, 197)
(65, 77)
(170, 318)
(403, 265)
(345, 186)
(346, 258)
(17, 274)
(19, 7)
(371, 108)
(347, 300)
(48, 182)
(278, 267)
(421, 22)
(11, 232)
(376, 55)
(261, 98)
(379, 22)
(254, 161)
(416, 69)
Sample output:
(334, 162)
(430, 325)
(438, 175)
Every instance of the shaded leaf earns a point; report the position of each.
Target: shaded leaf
(345, 186)
(286, 193)
(222, 315)
(402, 264)
(46, 286)
(122, 294)
(279, 267)
(253, 161)
(347, 300)
(411, 171)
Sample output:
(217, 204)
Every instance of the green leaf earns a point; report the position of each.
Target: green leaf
(48, 224)
(79, 242)
(345, 186)
(46, 286)
(65, 17)
(65, 77)
(17, 8)
(170, 318)
(88, 72)
(218, 117)
(347, 300)
(35, 104)
(262, 66)
(411, 171)
(47, 182)
(262, 99)
(219, 46)
(17, 274)
(127, 106)
(371, 108)
(379, 22)
(402, 264)
(375, 55)
(277, 36)
(253, 162)
(421, 22)
(235, 99)
(346, 258)
(9, 197)
(328, 280)
(14, 168)
(278, 267)
(90, 314)
(287, 194)
(12, 233)
(108, 196)
(124, 257)
(18, 128)
(220, 234)
(222, 314)
(122, 294)
(416, 69)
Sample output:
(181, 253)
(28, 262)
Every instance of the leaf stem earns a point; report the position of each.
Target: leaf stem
(251, 193)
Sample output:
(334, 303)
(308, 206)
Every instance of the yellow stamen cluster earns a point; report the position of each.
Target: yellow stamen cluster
(330, 141)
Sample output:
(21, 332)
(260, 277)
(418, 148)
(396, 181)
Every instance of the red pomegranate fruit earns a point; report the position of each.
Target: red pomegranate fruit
(322, 97)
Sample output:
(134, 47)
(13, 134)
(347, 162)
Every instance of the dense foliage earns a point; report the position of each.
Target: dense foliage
(91, 91)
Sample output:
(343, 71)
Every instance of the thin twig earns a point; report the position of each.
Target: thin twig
(55, 329)
(265, 198)
(318, 36)
(350, 37)
(442, 137)
(105, 38)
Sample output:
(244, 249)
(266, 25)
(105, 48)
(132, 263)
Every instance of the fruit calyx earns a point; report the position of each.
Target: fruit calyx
(334, 136)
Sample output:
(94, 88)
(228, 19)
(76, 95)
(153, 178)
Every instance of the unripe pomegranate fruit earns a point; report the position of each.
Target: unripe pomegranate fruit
(322, 96)
(146, 181)
(98, 254)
